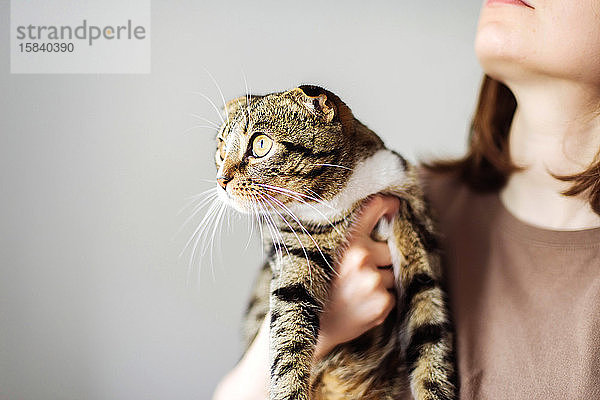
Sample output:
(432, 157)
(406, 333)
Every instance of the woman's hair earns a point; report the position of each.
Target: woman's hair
(487, 164)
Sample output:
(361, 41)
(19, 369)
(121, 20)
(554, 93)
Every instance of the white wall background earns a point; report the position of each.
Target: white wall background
(93, 169)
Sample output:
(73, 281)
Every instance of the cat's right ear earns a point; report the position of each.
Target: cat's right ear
(316, 99)
(232, 106)
(323, 103)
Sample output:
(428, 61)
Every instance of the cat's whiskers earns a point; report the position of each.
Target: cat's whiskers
(212, 103)
(259, 217)
(197, 127)
(322, 202)
(208, 121)
(195, 198)
(291, 214)
(267, 224)
(335, 165)
(280, 239)
(271, 226)
(309, 205)
(204, 233)
(299, 222)
(248, 95)
(273, 231)
(209, 245)
(247, 117)
(308, 262)
(217, 224)
(220, 92)
(313, 193)
(262, 195)
(266, 200)
(251, 217)
(201, 225)
(335, 228)
(196, 234)
(277, 236)
(207, 181)
(197, 208)
(254, 214)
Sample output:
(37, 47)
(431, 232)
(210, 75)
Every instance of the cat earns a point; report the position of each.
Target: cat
(303, 164)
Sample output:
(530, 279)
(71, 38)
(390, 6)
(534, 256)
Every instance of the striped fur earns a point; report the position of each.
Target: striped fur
(308, 189)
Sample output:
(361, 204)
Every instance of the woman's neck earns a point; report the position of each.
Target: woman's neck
(555, 130)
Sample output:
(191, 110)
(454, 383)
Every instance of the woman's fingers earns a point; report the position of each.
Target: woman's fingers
(380, 253)
(385, 304)
(387, 277)
(373, 211)
(374, 258)
(365, 252)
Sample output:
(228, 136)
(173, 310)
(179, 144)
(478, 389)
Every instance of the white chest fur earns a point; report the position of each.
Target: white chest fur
(377, 173)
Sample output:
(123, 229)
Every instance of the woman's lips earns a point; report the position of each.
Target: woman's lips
(515, 2)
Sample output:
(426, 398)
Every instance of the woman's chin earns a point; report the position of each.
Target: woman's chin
(499, 54)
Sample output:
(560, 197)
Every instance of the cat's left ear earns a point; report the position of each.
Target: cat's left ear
(318, 100)
(232, 106)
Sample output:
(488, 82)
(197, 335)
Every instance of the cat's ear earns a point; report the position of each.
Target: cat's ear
(232, 106)
(318, 100)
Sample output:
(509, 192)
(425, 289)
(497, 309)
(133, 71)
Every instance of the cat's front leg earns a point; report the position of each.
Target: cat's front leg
(294, 327)
(427, 333)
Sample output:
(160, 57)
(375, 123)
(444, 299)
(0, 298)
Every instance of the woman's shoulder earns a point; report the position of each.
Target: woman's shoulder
(453, 203)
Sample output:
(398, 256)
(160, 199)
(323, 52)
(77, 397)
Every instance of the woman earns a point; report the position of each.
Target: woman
(519, 215)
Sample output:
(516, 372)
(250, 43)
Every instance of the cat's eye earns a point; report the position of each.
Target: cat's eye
(261, 145)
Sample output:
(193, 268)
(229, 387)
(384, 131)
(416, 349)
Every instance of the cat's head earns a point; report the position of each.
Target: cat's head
(287, 148)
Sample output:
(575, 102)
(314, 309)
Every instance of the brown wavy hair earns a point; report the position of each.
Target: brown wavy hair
(487, 164)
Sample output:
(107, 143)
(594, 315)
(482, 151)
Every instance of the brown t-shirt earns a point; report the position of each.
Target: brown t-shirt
(525, 300)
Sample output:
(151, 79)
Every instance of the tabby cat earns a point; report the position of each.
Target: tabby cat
(303, 164)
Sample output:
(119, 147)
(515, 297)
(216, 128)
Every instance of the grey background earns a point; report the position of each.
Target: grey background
(94, 301)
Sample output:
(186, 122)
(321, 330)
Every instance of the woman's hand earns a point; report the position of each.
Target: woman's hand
(362, 292)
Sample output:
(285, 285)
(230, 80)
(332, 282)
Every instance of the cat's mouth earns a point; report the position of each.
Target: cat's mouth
(257, 199)
(233, 201)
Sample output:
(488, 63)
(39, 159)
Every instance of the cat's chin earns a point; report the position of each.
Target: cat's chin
(238, 205)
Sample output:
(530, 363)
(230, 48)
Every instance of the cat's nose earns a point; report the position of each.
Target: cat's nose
(223, 181)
